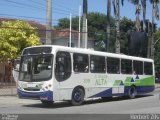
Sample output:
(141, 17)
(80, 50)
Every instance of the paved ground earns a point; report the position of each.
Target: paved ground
(146, 104)
(125, 109)
(157, 85)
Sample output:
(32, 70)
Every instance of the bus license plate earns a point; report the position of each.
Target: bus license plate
(31, 85)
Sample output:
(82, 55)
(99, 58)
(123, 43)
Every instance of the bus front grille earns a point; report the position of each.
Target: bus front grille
(31, 89)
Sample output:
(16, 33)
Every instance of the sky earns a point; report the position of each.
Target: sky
(36, 9)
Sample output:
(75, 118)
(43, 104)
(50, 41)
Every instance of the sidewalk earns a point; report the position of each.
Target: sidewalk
(14, 100)
(157, 85)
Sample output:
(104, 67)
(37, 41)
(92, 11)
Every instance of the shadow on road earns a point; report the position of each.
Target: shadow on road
(88, 102)
(54, 105)
(114, 99)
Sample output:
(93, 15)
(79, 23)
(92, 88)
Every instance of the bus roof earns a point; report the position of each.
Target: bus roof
(91, 52)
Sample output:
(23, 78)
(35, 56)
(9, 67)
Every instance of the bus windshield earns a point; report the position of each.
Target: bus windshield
(36, 68)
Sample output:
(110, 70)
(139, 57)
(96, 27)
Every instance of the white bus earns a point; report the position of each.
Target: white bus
(56, 73)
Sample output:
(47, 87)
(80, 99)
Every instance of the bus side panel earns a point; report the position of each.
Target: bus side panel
(104, 85)
(119, 85)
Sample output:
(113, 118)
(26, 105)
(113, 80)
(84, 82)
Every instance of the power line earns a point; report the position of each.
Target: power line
(22, 16)
(25, 5)
(40, 4)
(56, 11)
(68, 9)
(26, 17)
(13, 5)
(56, 8)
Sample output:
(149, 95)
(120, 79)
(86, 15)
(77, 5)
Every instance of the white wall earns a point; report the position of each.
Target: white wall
(64, 42)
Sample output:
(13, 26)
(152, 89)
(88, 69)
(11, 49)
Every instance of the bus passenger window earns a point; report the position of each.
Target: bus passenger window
(63, 66)
(80, 62)
(138, 67)
(148, 68)
(97, 64)
(126, 66)
(113, 65)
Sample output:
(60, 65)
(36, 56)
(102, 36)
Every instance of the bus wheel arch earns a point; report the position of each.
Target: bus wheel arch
(78, 94)
(132, 92)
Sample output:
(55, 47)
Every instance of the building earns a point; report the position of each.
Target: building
(62, 38)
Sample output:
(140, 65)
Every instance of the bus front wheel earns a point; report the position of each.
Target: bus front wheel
(132, 92)
(77, 96)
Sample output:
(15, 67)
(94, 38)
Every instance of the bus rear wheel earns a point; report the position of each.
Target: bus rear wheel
(132, 92)
(77, 96)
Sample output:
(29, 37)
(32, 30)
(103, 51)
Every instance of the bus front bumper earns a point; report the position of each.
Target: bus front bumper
(44, 96)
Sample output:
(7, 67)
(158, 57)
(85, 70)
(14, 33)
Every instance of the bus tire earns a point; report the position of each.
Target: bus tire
(132, 92)
(47, 103)
(77, 96)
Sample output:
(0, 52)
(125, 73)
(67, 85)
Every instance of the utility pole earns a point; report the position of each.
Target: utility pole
(49, 23)
(84, 32)
(86, 40)
(70, 35)
(79, 34)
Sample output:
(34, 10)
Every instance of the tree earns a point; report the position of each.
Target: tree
(64, 23)
(157, 50)
(138, 11)
(155, 15)
(117, 23)
(126, 25)
(14, 36)
(116, 6)
(143, 2)
(97, 30)
(96, 27)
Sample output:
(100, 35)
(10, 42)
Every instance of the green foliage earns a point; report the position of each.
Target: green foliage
(97, 30)
(64, 23)
(14, 36)
(157, 50)
(125, 25)
(96, 27)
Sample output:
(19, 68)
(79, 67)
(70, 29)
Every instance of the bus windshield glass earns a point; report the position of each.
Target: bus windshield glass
(36, 68)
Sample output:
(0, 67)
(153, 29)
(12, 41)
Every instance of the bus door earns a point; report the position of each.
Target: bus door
(62, 72)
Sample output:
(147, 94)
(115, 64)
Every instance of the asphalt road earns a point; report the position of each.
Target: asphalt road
(146, 104)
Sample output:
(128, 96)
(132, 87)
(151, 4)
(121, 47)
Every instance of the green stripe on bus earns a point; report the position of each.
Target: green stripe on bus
(117, 83)
(149, 81)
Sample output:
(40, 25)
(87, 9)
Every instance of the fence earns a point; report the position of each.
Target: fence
(7, 86)
(7, 82)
